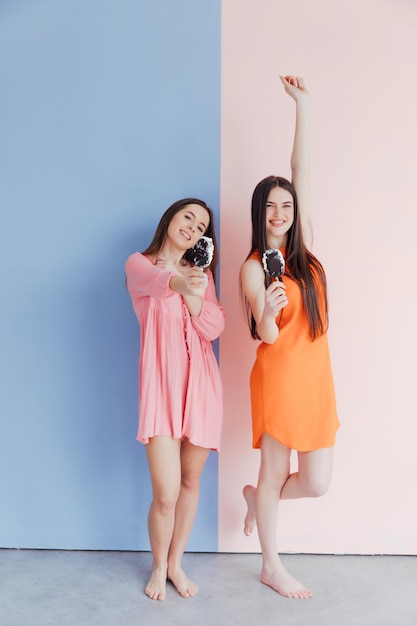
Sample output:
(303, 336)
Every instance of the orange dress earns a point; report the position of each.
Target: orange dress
(292, 392)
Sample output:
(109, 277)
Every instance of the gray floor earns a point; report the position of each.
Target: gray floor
(59, 588)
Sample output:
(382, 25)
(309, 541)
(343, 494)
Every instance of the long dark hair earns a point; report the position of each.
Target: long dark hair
(162, 231)
(301, 265)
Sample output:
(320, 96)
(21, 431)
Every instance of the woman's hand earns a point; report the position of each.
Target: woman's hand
(196, 281)
(187, 280)
(294, 86)
(275, 299)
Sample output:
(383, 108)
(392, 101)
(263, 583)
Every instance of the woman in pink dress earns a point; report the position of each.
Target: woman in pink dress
(180, 392)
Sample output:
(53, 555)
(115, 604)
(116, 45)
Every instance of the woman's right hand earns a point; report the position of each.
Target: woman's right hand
(196, 281)
(275, 298)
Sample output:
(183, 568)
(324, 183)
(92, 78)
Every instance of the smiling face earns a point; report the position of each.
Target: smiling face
(279, 215)
(188, 225)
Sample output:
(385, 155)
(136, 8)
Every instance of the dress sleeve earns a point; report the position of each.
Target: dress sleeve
(210, 323)
(145, 278)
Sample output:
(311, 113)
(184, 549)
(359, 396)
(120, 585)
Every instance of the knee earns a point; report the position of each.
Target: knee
(165, 503)
(190, 481)
(317, 486)
(274, 481)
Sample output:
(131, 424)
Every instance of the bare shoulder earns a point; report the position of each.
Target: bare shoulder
(252, 275)
(251, 268)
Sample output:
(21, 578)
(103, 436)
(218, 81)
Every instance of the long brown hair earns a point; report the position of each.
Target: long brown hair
(301, 265)
(162, 231)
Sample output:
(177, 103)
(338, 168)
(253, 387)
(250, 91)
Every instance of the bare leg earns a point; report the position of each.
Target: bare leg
(273, 473)
(249, 493)
(164, 464)
(313, 477)
(193, 459)
(311, 480)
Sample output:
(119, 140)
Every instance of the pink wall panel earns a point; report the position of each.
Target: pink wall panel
(358, 59)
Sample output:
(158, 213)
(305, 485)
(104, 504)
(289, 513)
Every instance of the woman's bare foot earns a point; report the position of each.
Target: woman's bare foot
(250, 519)
(282, 582)
(185, 587)
(156, 586)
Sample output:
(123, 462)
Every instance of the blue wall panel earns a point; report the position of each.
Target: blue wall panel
(110, 111)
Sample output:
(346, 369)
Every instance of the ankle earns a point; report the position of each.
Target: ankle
(159, 567)
(174, 565)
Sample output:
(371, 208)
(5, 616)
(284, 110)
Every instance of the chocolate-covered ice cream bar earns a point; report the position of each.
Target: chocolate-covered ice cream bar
(273, 262)
(203, 252)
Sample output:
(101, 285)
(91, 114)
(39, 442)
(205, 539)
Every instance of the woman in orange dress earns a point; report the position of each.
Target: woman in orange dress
(292, 393)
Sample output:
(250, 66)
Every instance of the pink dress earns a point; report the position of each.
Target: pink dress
(180, 391)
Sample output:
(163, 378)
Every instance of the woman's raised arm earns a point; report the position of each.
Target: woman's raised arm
(300, 156)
